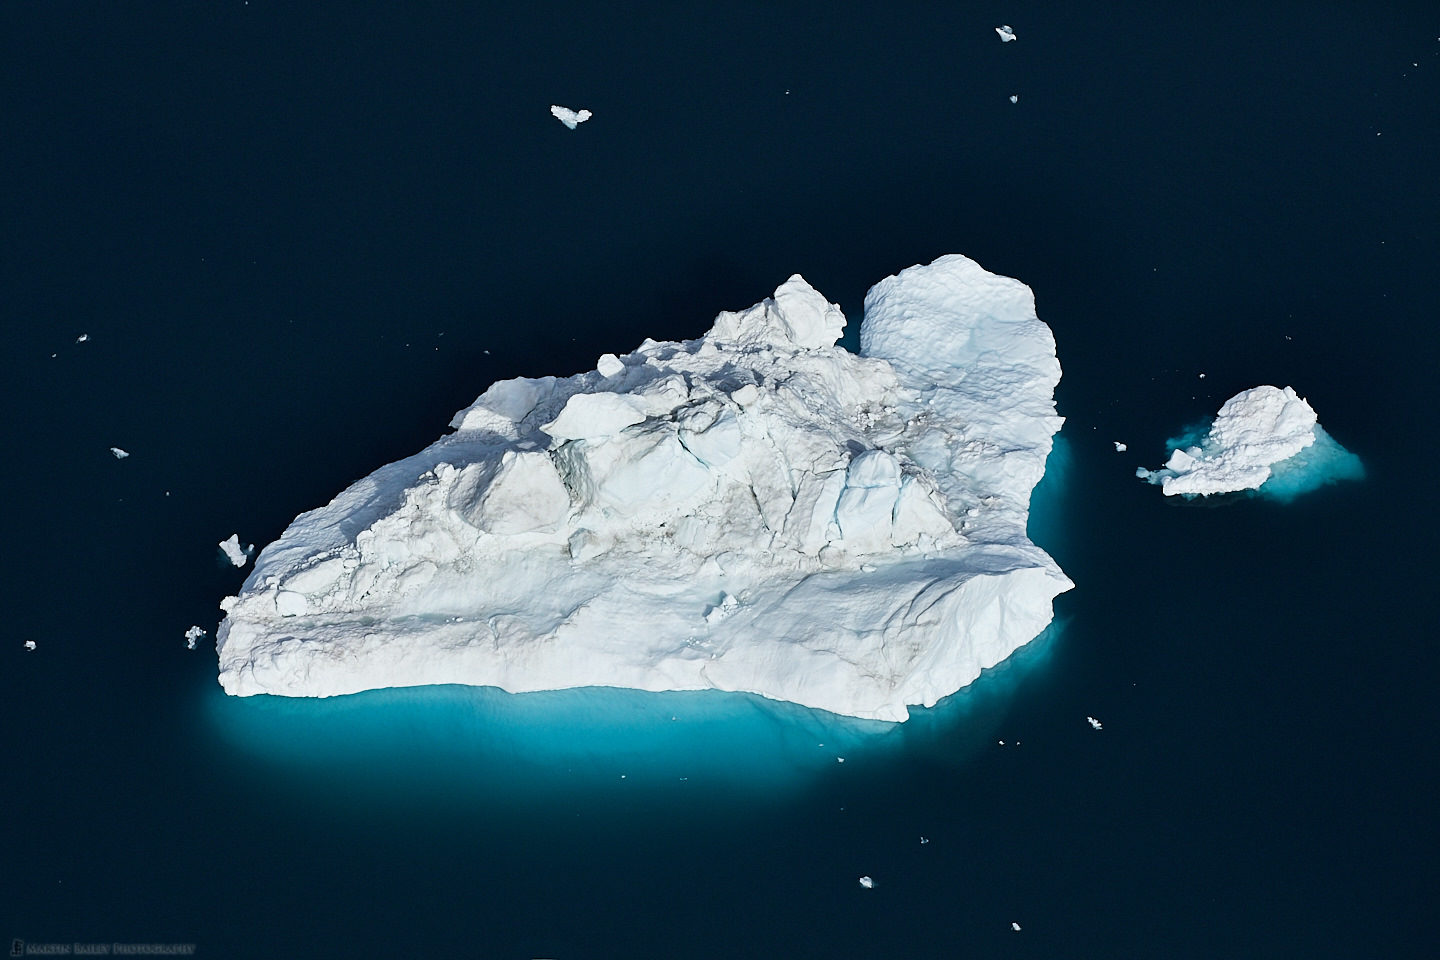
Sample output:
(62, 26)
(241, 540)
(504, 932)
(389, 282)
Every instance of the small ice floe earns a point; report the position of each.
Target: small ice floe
(1014, 98)
(1120, 447)
(867, 882)
(924, 840)
(1202, 376)
(1095, 723)
(235, 553)
(1007, 33)
(119, 454)
(839, 759)
(192, 636)
(82, 338)
(29, 644)
(1015, 926)
(571, 118)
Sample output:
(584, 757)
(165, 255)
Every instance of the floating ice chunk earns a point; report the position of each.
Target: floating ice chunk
(1006, 33)
(235, 553)
(924, 840)
(1015, 926)
(193, 636)
(1258, 433)
(867, 883)
(1095, 723)
(1014, 97)
(1120, 447)
(82, 338)
(119, 454)
(29, 644)
(571, 118)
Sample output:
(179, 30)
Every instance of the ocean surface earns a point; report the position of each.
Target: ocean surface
(298, 237)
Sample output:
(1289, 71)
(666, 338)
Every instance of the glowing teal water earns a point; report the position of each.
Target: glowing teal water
(1323, 462)
(506, 750)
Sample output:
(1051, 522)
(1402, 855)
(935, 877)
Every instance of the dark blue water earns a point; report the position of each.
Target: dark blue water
(299, 239)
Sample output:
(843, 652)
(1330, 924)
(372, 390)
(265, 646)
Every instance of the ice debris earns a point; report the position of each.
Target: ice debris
(29, 644)
(1007, 33)
(571, 118)
(1095, 723)
(118, 453)
(235, 553)
(867, 882)
(193, 636)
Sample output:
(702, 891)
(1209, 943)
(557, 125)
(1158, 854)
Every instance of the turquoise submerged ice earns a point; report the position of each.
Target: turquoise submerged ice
(756, 510)
(1264, 439)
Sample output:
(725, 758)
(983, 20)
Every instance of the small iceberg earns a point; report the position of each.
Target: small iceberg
(235, 553)
(193, 636)
(1095, 723)
(1007, 33)
(29, 644)
(571, 118)
(118, 453)
(1120, 447)
(1265, 438)
(867, 883)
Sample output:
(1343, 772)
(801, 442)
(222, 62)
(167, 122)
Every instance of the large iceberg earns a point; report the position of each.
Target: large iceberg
(1261, 437)
(756, 510)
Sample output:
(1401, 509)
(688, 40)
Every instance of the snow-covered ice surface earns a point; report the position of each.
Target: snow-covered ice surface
(571, 118)
(1262, 437)
(755, 510)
